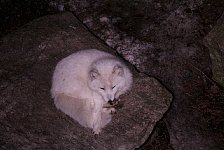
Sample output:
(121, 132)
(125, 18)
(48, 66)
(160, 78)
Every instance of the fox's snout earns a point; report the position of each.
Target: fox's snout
(110, 97)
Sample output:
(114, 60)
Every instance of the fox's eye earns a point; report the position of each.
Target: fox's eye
(102, 88)
(113, 87)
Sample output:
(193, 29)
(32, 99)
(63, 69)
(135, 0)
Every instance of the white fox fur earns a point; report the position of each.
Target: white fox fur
(85, 81)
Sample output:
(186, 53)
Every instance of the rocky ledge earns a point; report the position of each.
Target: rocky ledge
(28, 117)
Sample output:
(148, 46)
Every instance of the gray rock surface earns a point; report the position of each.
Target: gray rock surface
(28, 117)
(164, 39)
(215, 42)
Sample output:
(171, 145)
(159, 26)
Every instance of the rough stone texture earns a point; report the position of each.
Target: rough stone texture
(14, 14)
(215, 42)
(143, 31)
(159, 139)
(28, 117)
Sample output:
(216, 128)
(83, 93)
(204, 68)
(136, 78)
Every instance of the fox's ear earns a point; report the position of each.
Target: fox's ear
(93, 74)
(118, 70)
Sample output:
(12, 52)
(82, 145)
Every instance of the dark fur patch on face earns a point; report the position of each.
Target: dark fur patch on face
(94, 73)
(118, 70)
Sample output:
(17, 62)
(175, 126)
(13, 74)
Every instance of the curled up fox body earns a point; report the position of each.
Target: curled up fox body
(85, 81)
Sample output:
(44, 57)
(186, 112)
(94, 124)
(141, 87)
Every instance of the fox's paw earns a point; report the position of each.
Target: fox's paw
(97, 131)
(112, 110)
(109, 110)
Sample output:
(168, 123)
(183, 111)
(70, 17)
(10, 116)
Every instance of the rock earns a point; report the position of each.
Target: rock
(215, 42)
(163, 39)
(28, 117)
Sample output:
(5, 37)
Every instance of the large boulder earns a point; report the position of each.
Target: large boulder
(215, 42)
(28, 117)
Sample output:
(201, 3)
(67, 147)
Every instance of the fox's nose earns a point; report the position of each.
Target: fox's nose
(110, 97)
(110, 102)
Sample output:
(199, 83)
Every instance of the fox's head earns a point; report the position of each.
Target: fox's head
(107, 78)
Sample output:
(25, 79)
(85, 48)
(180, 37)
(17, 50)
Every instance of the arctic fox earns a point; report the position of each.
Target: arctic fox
(85, 81)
